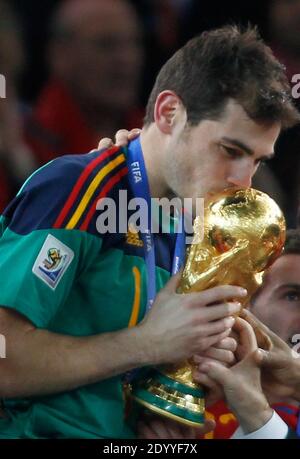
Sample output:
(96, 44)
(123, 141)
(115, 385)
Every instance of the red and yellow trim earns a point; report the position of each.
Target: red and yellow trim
(105, 190)
(69, 219)
(83, 204)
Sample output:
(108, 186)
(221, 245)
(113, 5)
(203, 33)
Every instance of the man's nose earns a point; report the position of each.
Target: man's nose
(241, 177)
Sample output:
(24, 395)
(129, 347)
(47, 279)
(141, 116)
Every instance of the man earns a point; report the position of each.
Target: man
(280, 365)
(244, 388)
(240, 384)
(72, 332)
(276, 305)
(95, 59)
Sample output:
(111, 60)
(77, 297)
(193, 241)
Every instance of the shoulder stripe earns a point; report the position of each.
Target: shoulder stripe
(80, 183)
(137, 298)
(110, 184)
(92, 188)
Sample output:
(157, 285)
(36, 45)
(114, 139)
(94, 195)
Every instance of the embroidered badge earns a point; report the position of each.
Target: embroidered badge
(52, 261)
(133, 238)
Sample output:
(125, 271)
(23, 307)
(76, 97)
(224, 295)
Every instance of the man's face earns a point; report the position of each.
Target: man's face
(277, 304)
(107, 56)
(217, 154)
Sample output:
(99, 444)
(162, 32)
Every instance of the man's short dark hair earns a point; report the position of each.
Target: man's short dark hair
(292, 243)
(227, 63)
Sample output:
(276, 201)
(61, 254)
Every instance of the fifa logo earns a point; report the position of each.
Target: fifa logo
(135, 167)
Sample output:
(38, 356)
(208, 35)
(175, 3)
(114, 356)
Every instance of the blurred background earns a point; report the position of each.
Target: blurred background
(78, 70)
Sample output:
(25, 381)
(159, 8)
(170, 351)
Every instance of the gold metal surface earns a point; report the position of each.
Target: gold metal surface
(243, 233)
(180, 372)
(190, 402)
(164, 413)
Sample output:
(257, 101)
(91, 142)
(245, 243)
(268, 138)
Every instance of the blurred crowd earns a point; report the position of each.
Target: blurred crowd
(79, 70)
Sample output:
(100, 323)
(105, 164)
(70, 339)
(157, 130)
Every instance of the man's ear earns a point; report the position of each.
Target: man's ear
(169, 111)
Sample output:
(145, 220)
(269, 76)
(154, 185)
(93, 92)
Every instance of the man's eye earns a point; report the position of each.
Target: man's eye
(232, 152)
(292, 296)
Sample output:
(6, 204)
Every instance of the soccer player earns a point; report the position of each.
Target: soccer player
(80, 306)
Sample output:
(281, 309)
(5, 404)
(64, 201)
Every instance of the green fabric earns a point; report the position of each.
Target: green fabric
(94, 295)
(3, 224)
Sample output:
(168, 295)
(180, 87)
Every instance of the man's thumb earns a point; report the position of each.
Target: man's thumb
(219, 373)
(265, 358)
(173, 283)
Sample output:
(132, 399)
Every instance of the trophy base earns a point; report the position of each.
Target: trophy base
(169, 415)
(170, 398)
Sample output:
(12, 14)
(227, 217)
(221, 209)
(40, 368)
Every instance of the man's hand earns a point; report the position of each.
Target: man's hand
(154, 428)
(121, 139)
(179, 326)
(280, 364)
(241, 383)
(222, 352)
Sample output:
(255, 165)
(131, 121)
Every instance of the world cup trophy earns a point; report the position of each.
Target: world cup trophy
(243, 232)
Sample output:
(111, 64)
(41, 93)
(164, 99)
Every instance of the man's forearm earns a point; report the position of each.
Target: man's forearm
(252, 421)
(41, 362)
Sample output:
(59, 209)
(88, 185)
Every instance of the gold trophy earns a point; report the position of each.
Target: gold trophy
(243, 233)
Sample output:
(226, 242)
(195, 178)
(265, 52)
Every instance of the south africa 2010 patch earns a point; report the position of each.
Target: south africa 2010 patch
(52, 261)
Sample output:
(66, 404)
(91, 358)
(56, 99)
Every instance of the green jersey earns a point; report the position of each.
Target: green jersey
(65, 277)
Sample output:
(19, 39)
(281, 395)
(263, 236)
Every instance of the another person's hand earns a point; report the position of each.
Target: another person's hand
(241, 382)
(152, 427)
(280, 364)
(122, 138)
(222, 352)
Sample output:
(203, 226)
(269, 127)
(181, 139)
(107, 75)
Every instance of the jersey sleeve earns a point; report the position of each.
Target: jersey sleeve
(41, 254)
